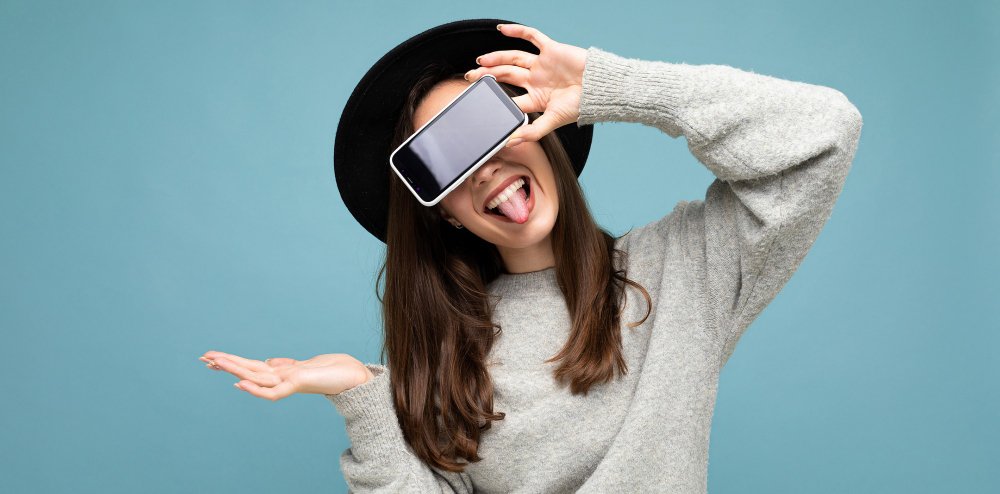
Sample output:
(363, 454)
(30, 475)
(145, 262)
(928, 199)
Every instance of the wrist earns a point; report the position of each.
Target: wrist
(364, 376)
(578, 56)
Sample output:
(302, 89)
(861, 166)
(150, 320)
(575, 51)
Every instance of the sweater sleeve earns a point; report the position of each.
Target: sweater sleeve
(780, 151)
(380, 459)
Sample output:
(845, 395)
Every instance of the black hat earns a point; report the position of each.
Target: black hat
(364, 134)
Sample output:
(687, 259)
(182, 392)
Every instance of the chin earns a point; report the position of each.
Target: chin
(531, 232)
(522, 241)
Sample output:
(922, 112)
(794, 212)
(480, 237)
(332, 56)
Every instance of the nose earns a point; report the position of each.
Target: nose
(484, 173)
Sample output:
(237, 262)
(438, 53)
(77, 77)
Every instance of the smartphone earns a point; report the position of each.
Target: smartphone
(466, 133)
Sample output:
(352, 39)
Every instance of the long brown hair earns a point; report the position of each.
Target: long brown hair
(437, 312)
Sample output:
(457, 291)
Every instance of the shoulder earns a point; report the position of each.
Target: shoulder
(672, 229)
(674, 242)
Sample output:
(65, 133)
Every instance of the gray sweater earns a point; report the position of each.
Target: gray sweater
(781, 151)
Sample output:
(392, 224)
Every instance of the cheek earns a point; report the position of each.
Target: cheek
(549, 182)
(456, 203)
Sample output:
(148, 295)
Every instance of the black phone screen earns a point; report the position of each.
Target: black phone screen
(458, 138)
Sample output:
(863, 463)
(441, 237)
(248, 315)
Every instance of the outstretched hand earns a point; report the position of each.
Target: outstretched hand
(553, 79)
(277, 378)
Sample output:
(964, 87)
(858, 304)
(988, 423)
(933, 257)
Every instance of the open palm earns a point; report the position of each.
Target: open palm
(277, 378)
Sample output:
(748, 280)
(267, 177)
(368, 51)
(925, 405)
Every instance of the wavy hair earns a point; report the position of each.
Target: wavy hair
(437, 312)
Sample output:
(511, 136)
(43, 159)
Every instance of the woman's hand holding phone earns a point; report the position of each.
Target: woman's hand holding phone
(553, 79)
(277, 378)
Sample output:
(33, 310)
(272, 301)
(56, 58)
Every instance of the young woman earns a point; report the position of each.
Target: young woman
(530, 350)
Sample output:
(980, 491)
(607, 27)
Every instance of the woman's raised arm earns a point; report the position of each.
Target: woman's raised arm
(780, 150)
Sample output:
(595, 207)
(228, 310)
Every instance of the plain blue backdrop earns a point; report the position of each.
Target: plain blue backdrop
(167, 188)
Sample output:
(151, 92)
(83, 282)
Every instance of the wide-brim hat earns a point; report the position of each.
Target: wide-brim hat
(364, 135)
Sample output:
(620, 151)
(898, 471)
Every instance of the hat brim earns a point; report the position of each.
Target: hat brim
(366, 127)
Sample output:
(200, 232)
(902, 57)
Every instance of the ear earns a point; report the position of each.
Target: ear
(447, 217)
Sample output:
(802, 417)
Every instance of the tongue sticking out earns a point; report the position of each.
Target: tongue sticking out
(516, 208)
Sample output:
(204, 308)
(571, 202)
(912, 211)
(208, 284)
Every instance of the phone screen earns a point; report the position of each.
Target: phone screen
(457, 139)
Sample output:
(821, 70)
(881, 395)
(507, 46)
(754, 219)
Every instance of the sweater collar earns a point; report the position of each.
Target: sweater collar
(534, 282)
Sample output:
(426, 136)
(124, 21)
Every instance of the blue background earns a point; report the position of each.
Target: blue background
(167, 188)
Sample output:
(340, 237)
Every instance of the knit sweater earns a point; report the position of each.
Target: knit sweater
(780, 151)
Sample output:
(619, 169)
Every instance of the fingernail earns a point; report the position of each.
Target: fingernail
(237, 385)
(477, 60)
(498, 26)
(467, 75)
(514, 142)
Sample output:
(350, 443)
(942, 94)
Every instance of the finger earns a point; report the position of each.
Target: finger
(507, 57)
(526, 104)
(261, 378)
(524, 32)
(536, 130)
(209, 363)
(510, 74)
(282, 390)
(256, 365)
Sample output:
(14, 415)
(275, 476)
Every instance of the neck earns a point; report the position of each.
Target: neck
(527, 259)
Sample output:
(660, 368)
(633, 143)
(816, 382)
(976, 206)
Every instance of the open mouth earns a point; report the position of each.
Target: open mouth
(497, 211)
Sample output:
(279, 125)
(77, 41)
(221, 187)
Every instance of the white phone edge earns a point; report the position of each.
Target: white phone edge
(468, 172)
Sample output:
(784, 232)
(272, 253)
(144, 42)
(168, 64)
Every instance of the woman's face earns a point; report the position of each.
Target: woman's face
(467, 203)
